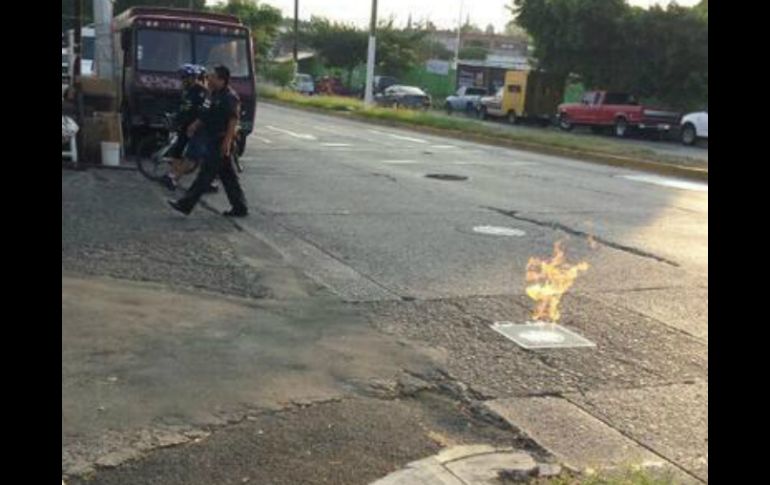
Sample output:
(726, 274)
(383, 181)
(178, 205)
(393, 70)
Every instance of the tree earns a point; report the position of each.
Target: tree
(473, 52)
(433, 49)
(262, 19)
(490, 30)
(338, 44)
(397, 50)
(659, 53)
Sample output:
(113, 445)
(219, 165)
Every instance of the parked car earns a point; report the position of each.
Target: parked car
(616, 110)
(399, 96)
(465, 99)
(381, 83)
(331, 86)
(525, 95)
(695, 126)
(303, 83)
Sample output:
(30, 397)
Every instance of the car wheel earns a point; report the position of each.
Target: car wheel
(512, 118)
(565, 123)
(621, 128)
(469, 108)
(483, 113)
(597, 130)
(689, 136)
(448, 108)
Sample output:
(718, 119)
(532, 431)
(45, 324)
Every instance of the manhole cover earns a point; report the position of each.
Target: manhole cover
(499, 231)
(446, 176)
(541, 335)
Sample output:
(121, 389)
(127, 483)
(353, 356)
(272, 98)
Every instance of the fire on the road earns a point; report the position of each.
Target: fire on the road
(548, 280)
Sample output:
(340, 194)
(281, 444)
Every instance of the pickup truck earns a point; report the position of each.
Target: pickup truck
(619, 111)
(465, 99)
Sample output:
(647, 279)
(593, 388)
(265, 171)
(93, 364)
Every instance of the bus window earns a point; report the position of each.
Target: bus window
(163, 51)
(232, 52)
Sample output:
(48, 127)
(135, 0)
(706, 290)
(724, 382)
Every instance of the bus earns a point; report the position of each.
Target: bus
(151, 44)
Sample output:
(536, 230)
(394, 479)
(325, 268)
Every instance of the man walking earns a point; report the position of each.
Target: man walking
(219, 123)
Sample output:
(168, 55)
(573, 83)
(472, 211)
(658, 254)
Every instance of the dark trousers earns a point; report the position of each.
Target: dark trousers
(215, 166)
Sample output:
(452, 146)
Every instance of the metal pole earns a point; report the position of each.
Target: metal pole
(368, 90)
(103, 41)
(296, 30)
(457, 47)
(75, 82)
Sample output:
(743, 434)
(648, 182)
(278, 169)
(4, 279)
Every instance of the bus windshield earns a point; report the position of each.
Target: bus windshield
(163, 50)
(231, 52)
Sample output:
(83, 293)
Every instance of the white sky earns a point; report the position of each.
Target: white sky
(443, 13)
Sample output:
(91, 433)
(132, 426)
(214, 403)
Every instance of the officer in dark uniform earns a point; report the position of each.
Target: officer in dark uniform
(195, 100)
(219, 123)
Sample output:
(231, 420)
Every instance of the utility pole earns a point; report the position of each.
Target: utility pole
(75, 81)
(457, 46)
(296, 31)
(368, 94)
(103, 41)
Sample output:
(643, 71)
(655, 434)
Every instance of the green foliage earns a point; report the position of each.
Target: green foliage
(262, 19)
(657, 52)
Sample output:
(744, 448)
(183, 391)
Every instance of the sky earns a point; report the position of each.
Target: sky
(443, 13)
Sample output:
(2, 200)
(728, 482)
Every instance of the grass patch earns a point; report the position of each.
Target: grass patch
(437, 120)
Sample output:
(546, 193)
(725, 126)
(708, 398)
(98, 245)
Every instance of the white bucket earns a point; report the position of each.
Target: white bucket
(110, 153)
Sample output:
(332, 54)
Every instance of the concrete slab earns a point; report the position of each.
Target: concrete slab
(485, 469)
(576, 438)
(671, 420)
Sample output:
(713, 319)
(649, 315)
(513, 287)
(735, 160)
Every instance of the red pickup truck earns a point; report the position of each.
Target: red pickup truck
(620, 111)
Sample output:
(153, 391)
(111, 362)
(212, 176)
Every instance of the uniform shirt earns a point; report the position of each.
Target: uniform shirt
(195, 101)
(225, 105)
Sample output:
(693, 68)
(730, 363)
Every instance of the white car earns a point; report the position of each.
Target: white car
(303, 83)
(695, 126)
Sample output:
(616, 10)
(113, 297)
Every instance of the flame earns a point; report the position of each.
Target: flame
(548, 280)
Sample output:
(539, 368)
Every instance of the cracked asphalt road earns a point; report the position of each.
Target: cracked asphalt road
(347, 217)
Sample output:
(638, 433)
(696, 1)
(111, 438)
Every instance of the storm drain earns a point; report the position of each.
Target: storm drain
(538, 335)
(447, 177)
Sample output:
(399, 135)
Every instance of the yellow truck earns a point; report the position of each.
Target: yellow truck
(526, 95)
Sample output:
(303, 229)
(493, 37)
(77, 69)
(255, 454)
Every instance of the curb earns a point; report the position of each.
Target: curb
(689, 173)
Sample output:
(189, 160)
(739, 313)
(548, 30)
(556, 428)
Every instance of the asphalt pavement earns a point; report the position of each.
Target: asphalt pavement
(398, 274)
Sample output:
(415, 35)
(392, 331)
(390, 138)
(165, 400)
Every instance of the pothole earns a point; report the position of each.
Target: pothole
(447, 177)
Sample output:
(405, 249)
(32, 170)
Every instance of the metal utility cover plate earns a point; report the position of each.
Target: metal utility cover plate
(541, 335)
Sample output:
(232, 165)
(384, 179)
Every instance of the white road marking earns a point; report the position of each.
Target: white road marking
(263, 140)
(407, 138)
(398, 137)
(668, 182)
(499, 231)
(336, 144)
(442, 147)
(399, 161)
(302, 136)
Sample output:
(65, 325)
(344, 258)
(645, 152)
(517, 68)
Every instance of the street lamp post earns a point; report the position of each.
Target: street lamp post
(296, 30)
(368, 90)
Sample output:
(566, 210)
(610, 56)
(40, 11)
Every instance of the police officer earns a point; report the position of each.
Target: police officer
(195, 100)
(219, 123)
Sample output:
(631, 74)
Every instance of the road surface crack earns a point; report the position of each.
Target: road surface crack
(576, 232)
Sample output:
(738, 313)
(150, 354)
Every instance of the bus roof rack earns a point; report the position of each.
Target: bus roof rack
(177, 13)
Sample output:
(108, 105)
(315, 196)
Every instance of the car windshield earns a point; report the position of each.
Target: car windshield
(303, 78)
(476, 91)
(163, 50)
(232, 52)
(88, 47)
